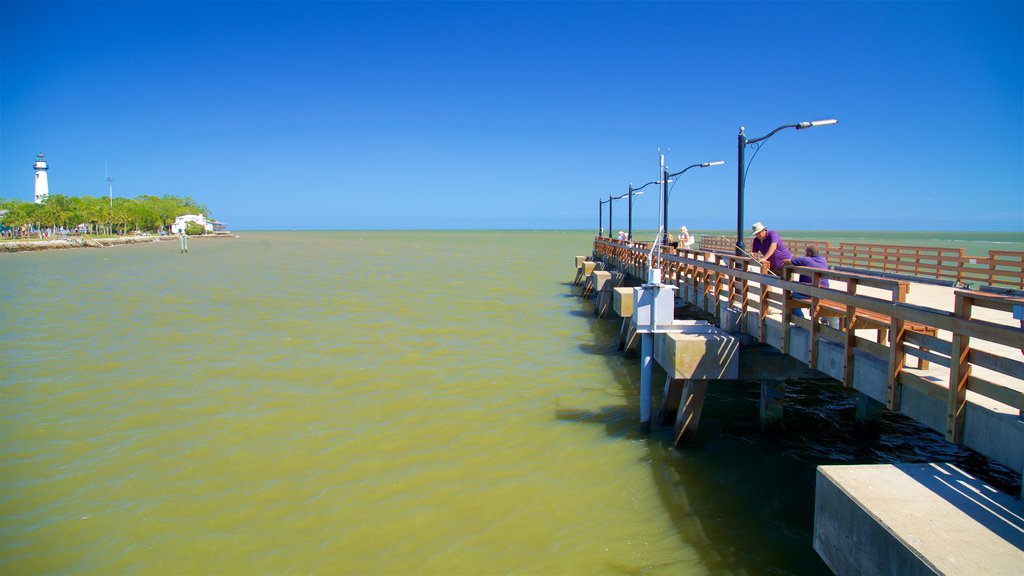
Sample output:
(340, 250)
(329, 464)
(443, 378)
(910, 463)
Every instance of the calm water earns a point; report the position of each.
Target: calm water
(376, 403)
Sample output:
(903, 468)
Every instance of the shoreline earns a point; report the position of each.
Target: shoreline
(81, 242)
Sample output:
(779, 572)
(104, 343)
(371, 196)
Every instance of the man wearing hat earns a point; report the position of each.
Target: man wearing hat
(773, 251)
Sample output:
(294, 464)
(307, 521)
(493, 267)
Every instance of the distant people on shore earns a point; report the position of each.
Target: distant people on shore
(772, 250)
(810, 259)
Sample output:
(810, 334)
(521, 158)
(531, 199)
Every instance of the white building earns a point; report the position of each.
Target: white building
(210, 225)
(182, 221)
(42, 186)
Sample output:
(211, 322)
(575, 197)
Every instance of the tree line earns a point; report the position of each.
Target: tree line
(99, 215)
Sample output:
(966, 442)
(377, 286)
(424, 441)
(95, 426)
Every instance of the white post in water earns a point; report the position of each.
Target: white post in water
(655, 306)
(42, 186)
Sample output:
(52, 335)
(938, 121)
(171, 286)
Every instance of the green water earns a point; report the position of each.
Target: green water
(364, 403)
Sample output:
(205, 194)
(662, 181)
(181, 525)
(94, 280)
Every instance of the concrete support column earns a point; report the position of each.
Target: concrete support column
(691, 404)
(646, 367)
(869, 416)
(773, 393)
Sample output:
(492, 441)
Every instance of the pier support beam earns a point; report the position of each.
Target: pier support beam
(688, 416)
(869, 416)
(773, 395)
(646, 368)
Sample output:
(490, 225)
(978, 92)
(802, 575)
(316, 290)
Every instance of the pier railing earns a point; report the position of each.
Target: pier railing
(956, 352)
(1001, 268)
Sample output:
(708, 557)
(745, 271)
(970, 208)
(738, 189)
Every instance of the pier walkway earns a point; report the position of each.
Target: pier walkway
(949, 358)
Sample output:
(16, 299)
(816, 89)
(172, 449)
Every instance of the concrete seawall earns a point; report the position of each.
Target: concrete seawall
(79, 242)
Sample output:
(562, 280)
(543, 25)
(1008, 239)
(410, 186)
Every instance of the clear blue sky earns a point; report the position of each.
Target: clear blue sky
(523, 115)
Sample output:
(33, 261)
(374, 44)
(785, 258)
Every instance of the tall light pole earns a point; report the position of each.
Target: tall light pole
(665, 179)
(741, 170)
(600, 215)
(609, 215)
(635, 192)
(630, 195)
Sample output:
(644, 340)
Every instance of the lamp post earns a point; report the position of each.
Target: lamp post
(741, 170)
(630, 195)
(610, 215)
(665, 179)
(635, 192)
(600, 215)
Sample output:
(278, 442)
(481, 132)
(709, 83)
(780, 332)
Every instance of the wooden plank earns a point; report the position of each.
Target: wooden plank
(850, 344)
(959, 372)
(999, 393)
(928, 342)
(1000, 364)
(928, 387)
(896, 359)
(926, 356)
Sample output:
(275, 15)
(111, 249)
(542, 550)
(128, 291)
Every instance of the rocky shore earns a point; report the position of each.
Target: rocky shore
(88, 242)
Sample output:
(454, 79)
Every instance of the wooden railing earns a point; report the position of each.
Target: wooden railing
(1001, 268)
(737, 281)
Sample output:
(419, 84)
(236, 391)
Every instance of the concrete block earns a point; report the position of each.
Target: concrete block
(926, 409)
(579, 261)
(773, 332)
(588, 267)
(912, 519)
(653, 304)
(831, 358)
(623, 302)
(773, 396)
(750, 323)
(700, 352)
(870, 375)
(799, 343)
(997, 431)
(598, 278)
(729, 318)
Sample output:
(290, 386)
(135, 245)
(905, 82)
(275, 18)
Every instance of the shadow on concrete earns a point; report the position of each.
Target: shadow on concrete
(1003, 515)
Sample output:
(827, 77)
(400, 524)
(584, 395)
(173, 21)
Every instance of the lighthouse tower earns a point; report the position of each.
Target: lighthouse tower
(42, 186)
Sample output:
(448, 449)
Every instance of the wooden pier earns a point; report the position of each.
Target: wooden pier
(910, 339)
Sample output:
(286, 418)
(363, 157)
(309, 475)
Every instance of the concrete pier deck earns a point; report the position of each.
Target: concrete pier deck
(912, 519)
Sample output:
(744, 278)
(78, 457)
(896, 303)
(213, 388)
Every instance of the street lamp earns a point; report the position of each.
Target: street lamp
(630, 195)
(600, 215)
(741, 170)
(665, 179)
(634, 192)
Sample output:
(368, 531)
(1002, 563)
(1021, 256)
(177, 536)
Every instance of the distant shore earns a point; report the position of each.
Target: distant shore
(89, 242)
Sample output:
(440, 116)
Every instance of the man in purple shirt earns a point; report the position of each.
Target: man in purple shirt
(773, 251)
(811, 259)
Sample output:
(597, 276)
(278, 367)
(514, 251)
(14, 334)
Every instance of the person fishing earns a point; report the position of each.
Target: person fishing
(772, 250)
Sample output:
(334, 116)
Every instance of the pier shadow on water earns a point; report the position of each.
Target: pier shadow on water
(742, 498)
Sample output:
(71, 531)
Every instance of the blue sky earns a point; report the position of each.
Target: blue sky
(335, 115)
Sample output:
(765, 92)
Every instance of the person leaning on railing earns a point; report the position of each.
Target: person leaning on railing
(810, 259)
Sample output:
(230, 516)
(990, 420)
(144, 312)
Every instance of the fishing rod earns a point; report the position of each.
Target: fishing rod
(749, 255)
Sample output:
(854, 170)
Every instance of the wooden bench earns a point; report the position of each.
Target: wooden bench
(861, 319)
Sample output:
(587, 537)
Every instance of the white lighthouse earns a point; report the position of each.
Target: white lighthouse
(42, 186)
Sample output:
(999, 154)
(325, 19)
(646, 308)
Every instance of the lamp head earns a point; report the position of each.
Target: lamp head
(828, 122)
(715, 163)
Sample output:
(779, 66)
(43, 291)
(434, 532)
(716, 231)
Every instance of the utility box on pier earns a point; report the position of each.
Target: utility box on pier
(654, 306)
